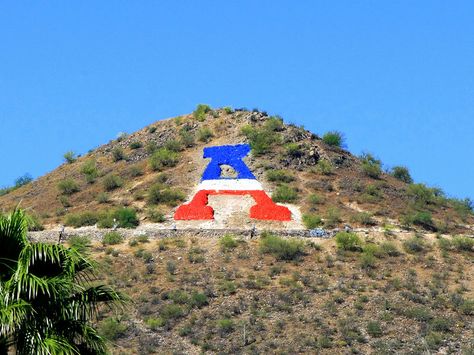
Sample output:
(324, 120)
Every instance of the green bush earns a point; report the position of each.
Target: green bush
(118, 154)
(81, 219)
(81, 243)
(151, 147)
(280, 176)
(200, 112)
(374, 329)
(151, 129)
(312, 221)
(371, 166)
(155, 216)
(423, 219)
(324, 167)
(464, 208)
(389, 249)
(333, 218)
(364, 218)
(171, 311)
(68, 186)
(174, 145)
(333, 138)
(70, 157)
(33, 223)
(414, 245)
(135, 171)
(159, 193)
(111, 329)
(103, 197)
(421, 194)
(196, 255)
(285, 193)
(463, 243)
(155, 323)
(264, 138)
(90, 171)
(112, 238)
(294, 150)
(23, 180)
(163, 158)
(280, 248)
(401, 173)
(348, 241)
(228, 242)
(136, 145)
(226, 325)
(314, 199)
(228, 110)
(186, 138)
(112, 182)
(126, 217)
(204, 134)
(199, 300)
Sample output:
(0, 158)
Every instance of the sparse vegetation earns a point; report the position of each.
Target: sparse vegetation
(324, 167)
(200, 113)
(90, 171)
(160, 194)
(312, 221)
(118, 154)
(112, 238)
(348, 241)
(136, 145)
(70, 157)
(204, 134)
(262, 139)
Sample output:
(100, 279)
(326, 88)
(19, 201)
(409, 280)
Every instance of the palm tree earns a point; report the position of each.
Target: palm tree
(47, 301)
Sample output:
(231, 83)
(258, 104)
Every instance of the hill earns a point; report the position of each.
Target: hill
(155, 169)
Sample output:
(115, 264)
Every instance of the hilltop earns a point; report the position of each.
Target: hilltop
(153, 170)
(396, 278)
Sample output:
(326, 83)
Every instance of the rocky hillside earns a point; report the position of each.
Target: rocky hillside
(153, 170)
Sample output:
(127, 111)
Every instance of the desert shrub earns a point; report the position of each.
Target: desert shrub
(151, 129)
(348, 241)
(111, 329)
(374, 329)
(204, 134)
(463, 243)
(225, 325)
(70, 157)
(186, 138)
(173, 145)
(198, 300)
(155, 216)
(112, 182)
(371, 166)
(420, 313)
(421, 194)
(294, 150)
(135, 171)
(389, 249)
(401, 173)
(118, 154)
(228, 110)
(280, 176)
(464, 208)
(81, 219)
(314, 199)
(81, 243)
(136, 145)
(285, 193)
(364, 218)
(333, 218)
(196, 255)
(228, 242)
(68, 186)
(171, 311)
(151, 147)
(262, 139)
(200, 112)
(423, 219)
(333, 138)
(23, 180)
(159, 193)
(90, 171)
(33, 222)
(155, 323)
(324, 167)
(126, 217)
(65, 201)
(112, 238)
(441, 324)
(103, 197)
(280, 248)
(162, 158)
(414, 245)
(312, 221)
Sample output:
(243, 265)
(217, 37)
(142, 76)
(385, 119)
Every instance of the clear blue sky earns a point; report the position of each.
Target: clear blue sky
(397, 77)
